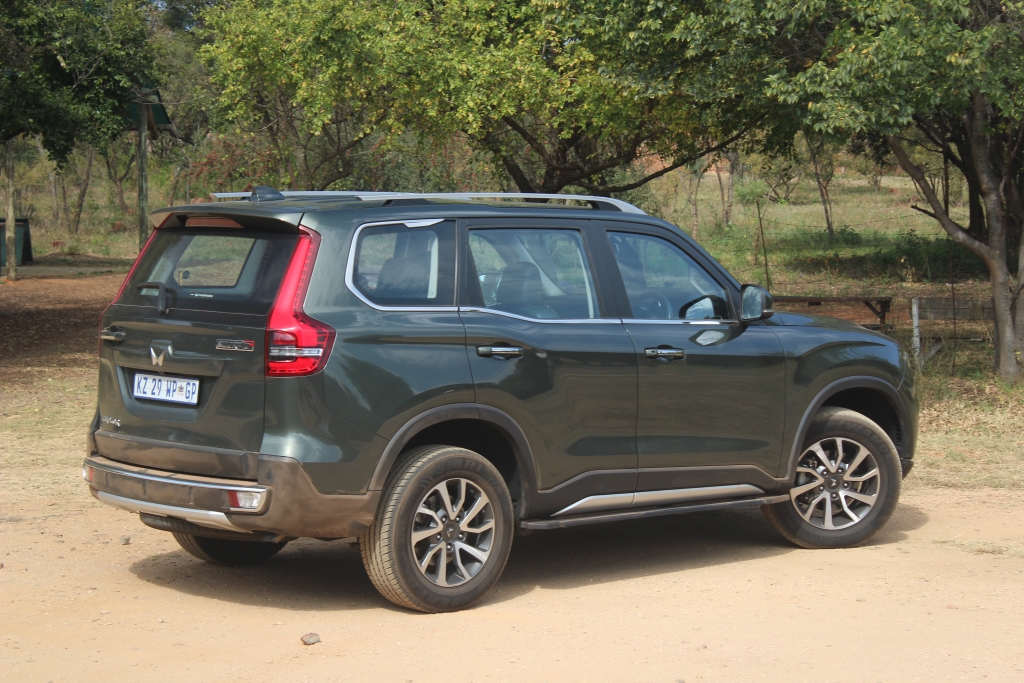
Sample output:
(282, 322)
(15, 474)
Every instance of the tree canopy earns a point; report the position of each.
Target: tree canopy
(68, 68)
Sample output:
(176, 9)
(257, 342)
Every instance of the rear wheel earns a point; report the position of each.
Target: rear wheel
(847, 483)
(227, 552)
(443, 532)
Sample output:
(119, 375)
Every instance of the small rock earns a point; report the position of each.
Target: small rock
(703, 647)
(861, 600)
(103, 611)
(311, 639)
(125, 540)
(159, 621)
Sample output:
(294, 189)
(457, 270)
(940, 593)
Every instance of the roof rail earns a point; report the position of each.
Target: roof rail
(600, 203)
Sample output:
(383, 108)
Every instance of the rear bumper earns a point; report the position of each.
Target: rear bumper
(289, 505)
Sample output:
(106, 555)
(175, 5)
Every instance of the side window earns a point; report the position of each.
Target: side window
(536, 273)
(400, 266)
(663, 282)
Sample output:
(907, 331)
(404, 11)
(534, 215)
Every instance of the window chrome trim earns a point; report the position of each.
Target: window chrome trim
(571, 321)
(409, 223)
(659, 321)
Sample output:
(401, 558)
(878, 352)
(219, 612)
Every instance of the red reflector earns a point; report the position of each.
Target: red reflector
(233, 499)
(297, 344)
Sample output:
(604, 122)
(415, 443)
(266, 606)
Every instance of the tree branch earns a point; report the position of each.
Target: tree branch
(952, 228)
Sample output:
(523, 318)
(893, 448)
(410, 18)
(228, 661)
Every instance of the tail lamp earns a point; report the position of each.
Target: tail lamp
(297, 345)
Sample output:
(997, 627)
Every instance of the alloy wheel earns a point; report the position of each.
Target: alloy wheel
(452, 532)
(837, 483)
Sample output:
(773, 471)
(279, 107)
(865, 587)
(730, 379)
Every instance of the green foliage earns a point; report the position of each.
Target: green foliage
(68, 68)
(752, 192)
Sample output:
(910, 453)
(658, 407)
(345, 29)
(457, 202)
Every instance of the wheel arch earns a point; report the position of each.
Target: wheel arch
(875, 398)
(482, 429)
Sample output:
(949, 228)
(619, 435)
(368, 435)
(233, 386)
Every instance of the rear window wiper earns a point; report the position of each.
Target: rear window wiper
(161, 294)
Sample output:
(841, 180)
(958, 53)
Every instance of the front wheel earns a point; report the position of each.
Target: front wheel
(443, 532)
(847, 483)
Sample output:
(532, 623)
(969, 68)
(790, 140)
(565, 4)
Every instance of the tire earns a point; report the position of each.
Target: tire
(226, 552)
(831, 507)
(469, 556)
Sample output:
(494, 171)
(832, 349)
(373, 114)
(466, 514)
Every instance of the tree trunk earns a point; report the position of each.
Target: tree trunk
(822, 187)
(734, 169)
(174, 186)
(143, 197)
(993, 254)
(721, 192)
(55, 211)
(65, 211)
(10, 225)
(116, 177)
(82, 191)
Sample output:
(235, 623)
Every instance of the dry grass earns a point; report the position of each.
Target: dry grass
(971, 435)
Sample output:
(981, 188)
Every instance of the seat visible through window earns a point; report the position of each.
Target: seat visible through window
(398, 266)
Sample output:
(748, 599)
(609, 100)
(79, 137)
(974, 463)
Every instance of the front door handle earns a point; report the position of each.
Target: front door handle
(499, 351)
(663, 353)
(112, 334)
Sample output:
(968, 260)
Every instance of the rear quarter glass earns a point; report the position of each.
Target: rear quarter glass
(209, 270)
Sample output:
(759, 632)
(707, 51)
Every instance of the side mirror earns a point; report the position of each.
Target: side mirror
(755, 303)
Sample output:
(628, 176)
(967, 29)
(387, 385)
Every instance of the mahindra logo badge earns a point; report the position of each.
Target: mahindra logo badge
(157, 359)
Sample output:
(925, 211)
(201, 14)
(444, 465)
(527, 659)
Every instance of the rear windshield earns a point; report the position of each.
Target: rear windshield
(228, 272)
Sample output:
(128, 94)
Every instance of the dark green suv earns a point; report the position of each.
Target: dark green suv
(432, 373)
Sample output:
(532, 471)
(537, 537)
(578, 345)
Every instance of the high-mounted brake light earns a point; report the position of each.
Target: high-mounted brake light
(297, 345)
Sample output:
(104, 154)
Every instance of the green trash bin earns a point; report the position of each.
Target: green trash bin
(23, 242)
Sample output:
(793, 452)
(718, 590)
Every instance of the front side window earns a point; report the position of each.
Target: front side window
(664, 282)
(397, 266)
(535, 273)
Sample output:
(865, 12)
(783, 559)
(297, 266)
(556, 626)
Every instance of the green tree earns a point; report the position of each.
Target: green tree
(67, 69)
(951, 69)
(304, 73)
(954, 71)
(549, 97)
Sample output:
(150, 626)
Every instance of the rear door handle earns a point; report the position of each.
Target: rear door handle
(112, 334)
(659, 353)
(499, 351)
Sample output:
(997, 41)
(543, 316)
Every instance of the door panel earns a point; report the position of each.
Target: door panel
(572, 391)
(540, 351)
(711, 390)
(723, 404)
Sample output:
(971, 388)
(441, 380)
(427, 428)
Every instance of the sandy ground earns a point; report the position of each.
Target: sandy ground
(88, 593)
(708, 597)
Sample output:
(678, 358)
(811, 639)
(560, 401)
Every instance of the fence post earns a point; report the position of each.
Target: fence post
(915, 316)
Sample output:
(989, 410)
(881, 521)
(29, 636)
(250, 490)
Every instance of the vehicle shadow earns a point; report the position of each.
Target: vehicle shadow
(312, 575)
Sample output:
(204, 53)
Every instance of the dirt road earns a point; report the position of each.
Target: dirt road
(88, 593)
(710, 597)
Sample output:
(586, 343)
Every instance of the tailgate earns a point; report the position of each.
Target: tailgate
(184, 349)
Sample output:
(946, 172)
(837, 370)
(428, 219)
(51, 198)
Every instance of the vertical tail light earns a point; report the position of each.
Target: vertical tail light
(297, 345)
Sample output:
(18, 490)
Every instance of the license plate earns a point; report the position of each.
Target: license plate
(173, 389)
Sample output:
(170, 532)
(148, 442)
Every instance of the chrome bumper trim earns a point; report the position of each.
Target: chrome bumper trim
(207, 518)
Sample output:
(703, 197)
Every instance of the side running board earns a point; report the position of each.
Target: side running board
(598, 518)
